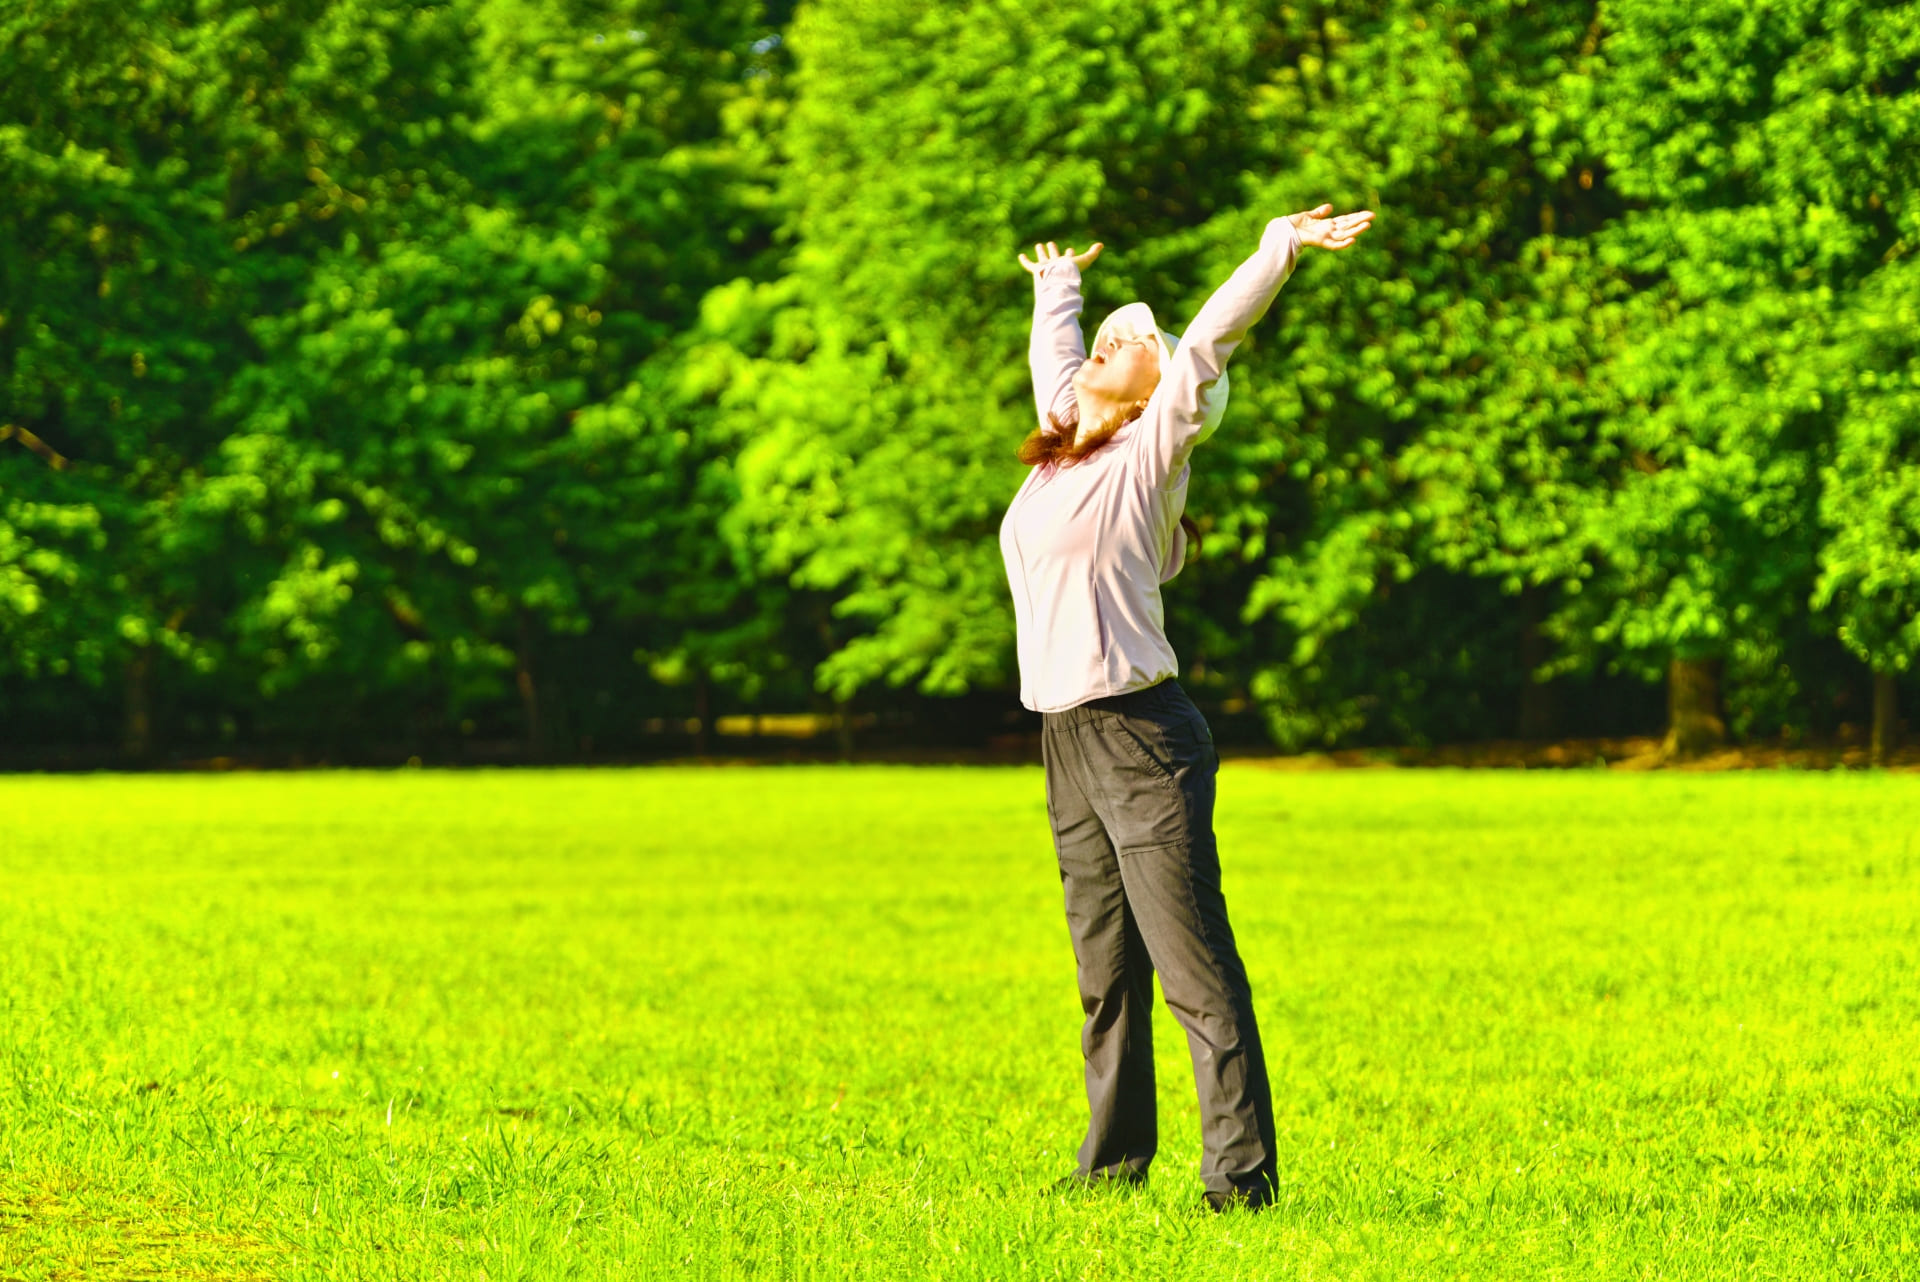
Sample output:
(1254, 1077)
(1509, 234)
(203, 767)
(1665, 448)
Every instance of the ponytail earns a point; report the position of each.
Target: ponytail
(1193, 535)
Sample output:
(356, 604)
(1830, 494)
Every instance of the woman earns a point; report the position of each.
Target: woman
(1094, 531)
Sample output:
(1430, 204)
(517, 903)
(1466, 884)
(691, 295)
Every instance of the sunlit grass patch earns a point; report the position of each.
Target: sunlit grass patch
(821, 1022)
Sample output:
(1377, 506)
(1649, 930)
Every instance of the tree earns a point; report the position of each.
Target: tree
(518, 254)
(925, 148)
(931, 145)
(1756, 139)
(130, 139)
(1870, 497)
(348, 320)
(1430, 421)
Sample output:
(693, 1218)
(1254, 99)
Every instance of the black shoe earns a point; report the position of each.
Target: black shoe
(1112, 1177)
(1257, 1198)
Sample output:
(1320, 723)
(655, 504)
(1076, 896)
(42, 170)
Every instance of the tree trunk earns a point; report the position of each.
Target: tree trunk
(1886, 717)
(529, 693)
(1536, 697)
(138, 740)
(1695, 725)
(843, 727)
(702, 716)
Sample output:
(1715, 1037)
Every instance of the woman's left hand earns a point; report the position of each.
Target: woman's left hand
(1319, 228)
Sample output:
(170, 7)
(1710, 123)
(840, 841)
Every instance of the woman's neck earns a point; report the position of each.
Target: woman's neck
(1096, 412)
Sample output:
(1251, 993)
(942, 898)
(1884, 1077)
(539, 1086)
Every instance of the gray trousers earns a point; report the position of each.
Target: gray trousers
(1130, 783)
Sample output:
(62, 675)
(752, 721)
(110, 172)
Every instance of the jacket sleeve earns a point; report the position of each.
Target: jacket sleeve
(1175, 417)
(1057, 347)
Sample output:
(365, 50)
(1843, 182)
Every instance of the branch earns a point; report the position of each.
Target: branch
(55, 459)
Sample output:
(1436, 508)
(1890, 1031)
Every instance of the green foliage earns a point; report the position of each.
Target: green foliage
(1767, 149)
(45, 548)
(391, 315)
(1870, 500)
(527, 248)
(1425, 406)
(928, 147)
(924, 147)
(119, 134)
(499, 361)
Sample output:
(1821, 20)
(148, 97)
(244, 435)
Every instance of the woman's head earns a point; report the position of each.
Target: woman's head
(1111, 387)
(1129, 352)
(1119, 371)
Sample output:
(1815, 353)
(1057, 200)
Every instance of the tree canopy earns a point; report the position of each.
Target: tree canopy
(373, 373)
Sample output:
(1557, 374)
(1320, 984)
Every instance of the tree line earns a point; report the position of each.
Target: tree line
(374, 372)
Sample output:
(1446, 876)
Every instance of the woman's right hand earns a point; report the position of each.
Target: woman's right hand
(1050, 252)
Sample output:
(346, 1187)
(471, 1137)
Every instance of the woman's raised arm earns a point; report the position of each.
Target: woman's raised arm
(1175, 418)
(1056, 348)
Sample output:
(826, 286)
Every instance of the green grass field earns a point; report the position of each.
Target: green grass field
(820, 1021)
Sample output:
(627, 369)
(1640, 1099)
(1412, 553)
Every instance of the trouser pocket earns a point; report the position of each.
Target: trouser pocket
(1169, 745)
(1152, 778)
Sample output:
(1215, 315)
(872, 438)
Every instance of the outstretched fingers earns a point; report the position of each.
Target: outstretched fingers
(1050, 251)
(1340, 232)
(1349, 228)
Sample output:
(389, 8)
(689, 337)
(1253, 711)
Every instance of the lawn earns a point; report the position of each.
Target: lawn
(820, 1022)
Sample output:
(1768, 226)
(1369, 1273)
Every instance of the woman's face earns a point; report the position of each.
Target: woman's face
(1121, 369)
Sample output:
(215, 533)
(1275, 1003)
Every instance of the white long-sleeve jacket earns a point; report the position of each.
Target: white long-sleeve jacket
(1088, 544)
